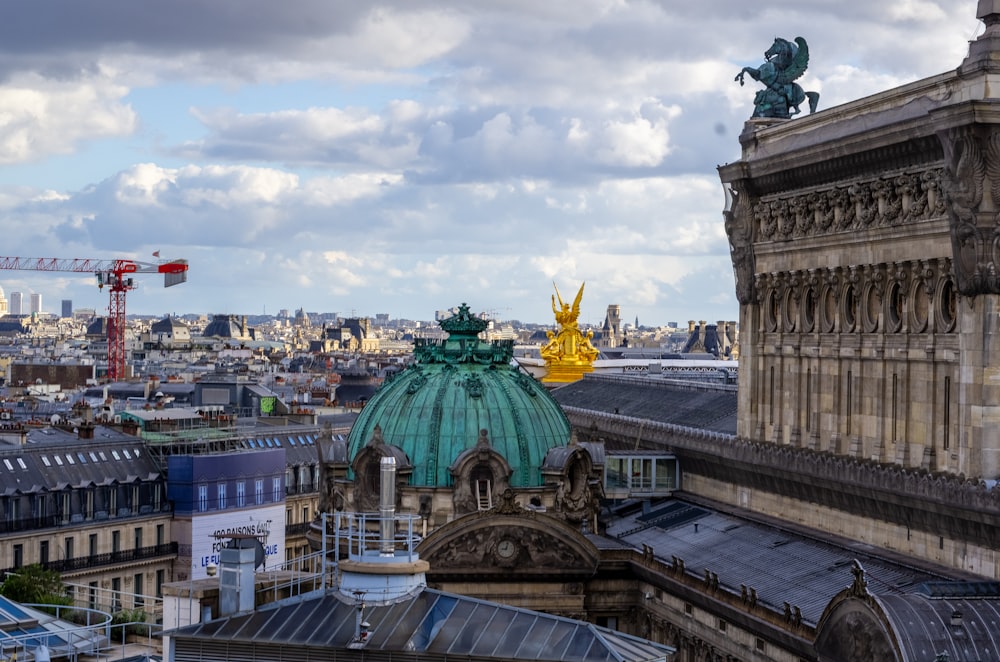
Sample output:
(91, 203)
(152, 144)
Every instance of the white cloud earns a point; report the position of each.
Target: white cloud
(40, 117)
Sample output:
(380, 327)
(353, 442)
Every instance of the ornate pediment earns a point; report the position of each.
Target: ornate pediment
(517, 542)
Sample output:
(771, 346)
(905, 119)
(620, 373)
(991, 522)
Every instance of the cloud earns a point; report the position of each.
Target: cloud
(405, 156)
(40, 117)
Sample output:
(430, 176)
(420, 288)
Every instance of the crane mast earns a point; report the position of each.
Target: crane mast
(116, 275)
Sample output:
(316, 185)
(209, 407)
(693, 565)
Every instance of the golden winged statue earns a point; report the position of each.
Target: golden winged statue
(568, 353)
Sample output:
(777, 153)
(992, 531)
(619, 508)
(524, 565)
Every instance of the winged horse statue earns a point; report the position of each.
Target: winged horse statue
(785, 62)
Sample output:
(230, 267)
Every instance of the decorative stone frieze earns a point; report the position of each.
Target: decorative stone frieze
(890, 200)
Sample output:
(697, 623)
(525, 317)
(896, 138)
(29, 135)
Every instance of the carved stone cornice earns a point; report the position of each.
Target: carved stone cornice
(914, 153)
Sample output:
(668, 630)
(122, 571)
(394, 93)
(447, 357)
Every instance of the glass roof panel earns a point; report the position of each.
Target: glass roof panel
(630, 646)
(315, 623)
(459, 630)
(580, 645)
(532, 646)
(519, 630)
(384, 621)
(488, 628)
(422, 632)
(560, 639)
(465, 640)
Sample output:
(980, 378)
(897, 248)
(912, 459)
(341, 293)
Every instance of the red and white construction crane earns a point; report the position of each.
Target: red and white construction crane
(116, 275)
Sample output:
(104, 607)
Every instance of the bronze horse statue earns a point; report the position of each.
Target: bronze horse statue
(784, 63)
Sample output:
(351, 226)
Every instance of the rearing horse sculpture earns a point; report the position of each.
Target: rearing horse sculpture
(785, 62)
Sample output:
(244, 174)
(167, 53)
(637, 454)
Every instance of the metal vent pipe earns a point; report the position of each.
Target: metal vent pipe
(387, 507)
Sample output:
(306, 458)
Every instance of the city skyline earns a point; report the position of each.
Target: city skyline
(411, 156)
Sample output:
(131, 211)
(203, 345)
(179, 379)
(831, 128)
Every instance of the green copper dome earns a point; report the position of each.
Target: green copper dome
(434, 410)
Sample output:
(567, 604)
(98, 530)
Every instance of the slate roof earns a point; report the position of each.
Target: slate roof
(781, 566)
(62, 460)
(696, 405)
(929, 631)
(434, 623)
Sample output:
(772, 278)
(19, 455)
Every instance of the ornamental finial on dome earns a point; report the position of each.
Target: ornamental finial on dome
(464, 322)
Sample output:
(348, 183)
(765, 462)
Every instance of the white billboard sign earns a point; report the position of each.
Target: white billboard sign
(211, 532)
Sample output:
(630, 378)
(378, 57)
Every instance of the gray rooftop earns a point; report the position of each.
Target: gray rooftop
(781, 566)
(434, 624)
(695, 405)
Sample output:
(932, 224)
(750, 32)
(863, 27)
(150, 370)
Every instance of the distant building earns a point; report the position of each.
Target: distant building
(16, 305)
(611, 331)
(67, 308)
(3, 303)
(228, 327)
(36, 303)
(720, 340)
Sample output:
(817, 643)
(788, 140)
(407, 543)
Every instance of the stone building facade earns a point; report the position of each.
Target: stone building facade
(863, 240)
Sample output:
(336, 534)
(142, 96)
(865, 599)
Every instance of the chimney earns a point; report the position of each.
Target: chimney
(387, 507)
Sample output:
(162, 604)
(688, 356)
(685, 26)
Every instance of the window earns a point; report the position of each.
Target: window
(156, 496)
(45, 461)
(241, 494)
(116, 541)
(202, 498)
(722, 625)
(18, 556)
(113, 501)
(222, 496)
(258, 491)
(64, 507)
(137, 589)
(135, 498)
(58, 460)
(82, 459)
(43, 552)
(160, 577)
(115, 455)
(92, 595)
(88, 507)
(688, 609)
(137, 534)
(116, 594)
(20, 463)
(69, 458)
(160, 534)
(69, 549)
(92, 549)
(276, 490)
(760, 645)
(10, 467)
(305, 514)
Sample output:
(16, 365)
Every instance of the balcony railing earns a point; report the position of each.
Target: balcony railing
(110, 558)
(52, 521)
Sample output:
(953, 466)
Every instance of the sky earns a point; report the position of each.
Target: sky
(407, 156)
